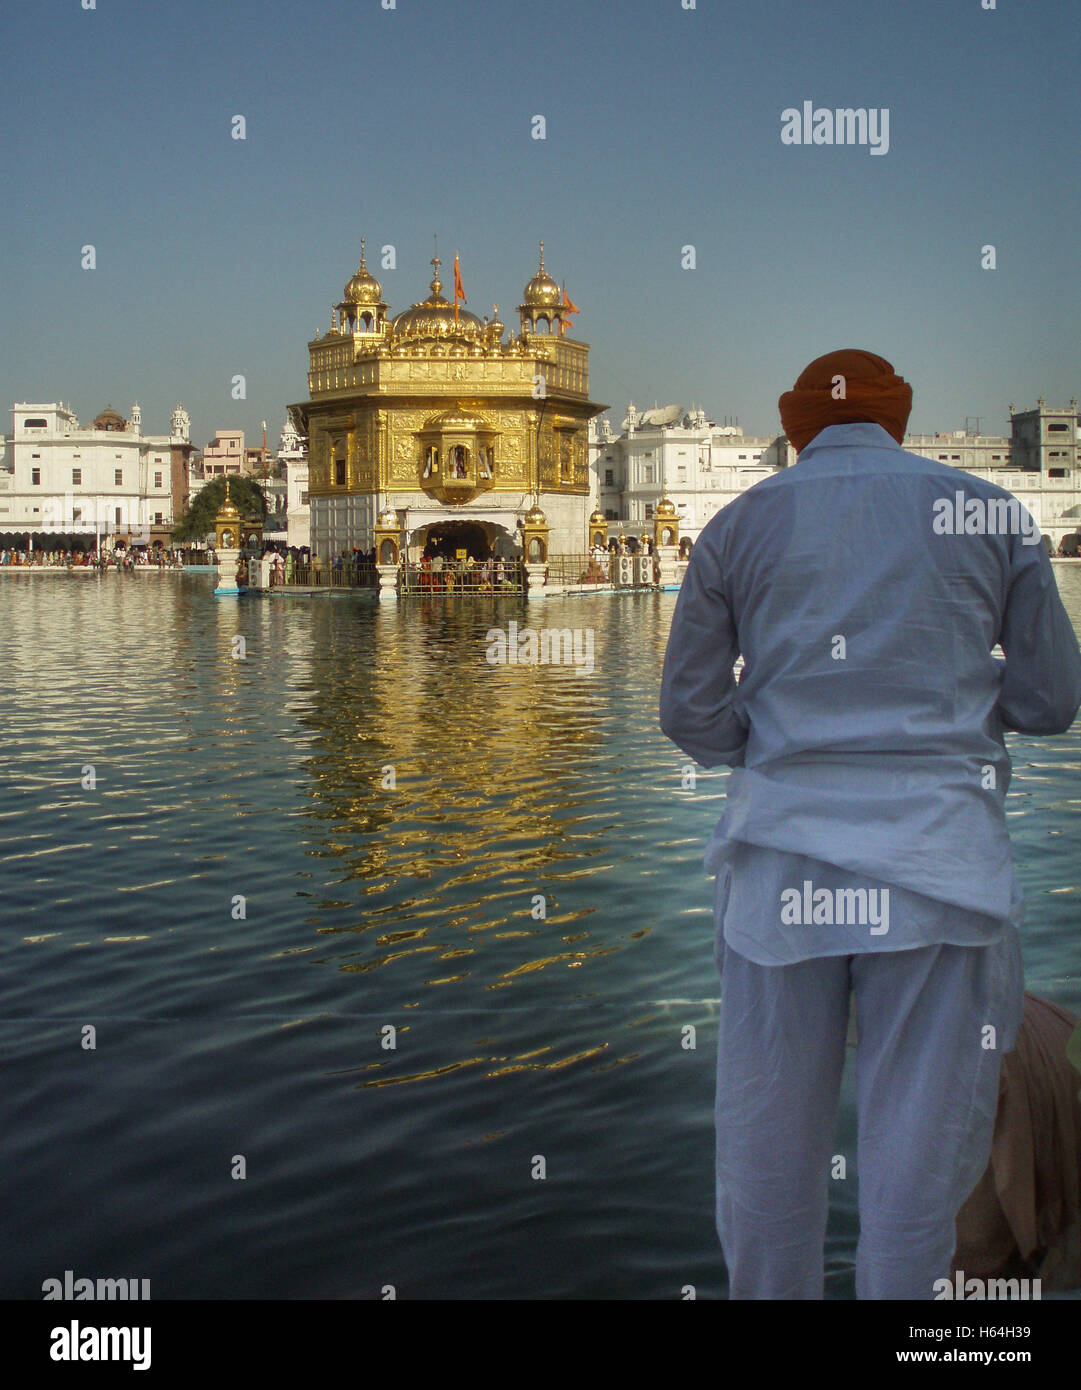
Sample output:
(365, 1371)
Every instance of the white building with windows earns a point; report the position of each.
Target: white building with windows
(67, 485)
(701, 466)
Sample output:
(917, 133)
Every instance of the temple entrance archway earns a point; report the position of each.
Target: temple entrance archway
(482, 540)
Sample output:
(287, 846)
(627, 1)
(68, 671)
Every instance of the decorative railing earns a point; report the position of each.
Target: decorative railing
(355, 576)
(579, 569)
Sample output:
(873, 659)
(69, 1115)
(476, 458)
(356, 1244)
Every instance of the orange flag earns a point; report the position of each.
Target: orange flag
(569, 306)
(459, 293)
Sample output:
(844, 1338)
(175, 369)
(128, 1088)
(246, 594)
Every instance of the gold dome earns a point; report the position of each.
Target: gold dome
(388, 517)
(435, 317)
(597, 517)
(542, 292)
(535, 517)
(363, 288)
(665, 507)
(227, 511)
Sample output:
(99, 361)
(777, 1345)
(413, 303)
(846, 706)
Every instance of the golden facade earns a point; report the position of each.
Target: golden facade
(440, 416)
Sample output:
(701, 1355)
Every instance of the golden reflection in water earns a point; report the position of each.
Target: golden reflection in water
(447, 792)
(509, 1069)
(429, 764)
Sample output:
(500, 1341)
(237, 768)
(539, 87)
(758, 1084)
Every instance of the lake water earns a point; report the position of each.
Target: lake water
(373, 901)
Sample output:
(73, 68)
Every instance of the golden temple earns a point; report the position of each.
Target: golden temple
(437, 424)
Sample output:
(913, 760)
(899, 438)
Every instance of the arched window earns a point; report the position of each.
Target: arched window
(35, 424)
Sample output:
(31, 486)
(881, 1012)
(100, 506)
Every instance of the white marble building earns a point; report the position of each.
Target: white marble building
(65, 483)
(702, 466)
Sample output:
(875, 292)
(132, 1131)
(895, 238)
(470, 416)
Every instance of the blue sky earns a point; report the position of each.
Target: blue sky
(218, 257)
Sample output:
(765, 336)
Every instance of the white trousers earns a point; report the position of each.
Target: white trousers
(927, 1074)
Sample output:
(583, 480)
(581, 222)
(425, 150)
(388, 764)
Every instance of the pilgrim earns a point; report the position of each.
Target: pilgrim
(872, 763)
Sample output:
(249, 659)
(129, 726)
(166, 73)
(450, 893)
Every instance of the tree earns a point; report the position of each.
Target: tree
(198, 521)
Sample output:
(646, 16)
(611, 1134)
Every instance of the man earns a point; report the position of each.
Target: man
(863, 847)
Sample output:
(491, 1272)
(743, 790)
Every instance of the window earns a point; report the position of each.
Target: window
(647, 473)
(303, 499)
(955, 458)
(76, 477)
(339, 472)
(118, 477)
(157, 518)
(35, 424)
(157, 480)
(119, 515)
(1058, 472)
(649, 511)
(35, 476)
(609, 481)
(76, 513)
(1058, 428)
(681, 472)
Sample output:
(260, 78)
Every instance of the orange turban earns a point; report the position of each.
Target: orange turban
(869, 391)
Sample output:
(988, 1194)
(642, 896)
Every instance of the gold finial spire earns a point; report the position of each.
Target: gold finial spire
(362, 265)
(436, 284)
(542, 255)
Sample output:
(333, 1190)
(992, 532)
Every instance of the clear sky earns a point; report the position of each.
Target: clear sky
(218, 257)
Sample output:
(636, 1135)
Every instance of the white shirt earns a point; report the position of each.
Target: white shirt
(866, 732)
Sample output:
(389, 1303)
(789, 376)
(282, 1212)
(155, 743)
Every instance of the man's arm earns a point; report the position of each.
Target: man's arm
(1041, 685)
(698, 689)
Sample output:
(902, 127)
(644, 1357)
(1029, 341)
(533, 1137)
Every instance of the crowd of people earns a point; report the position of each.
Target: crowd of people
(437, 571)
(120, 559)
